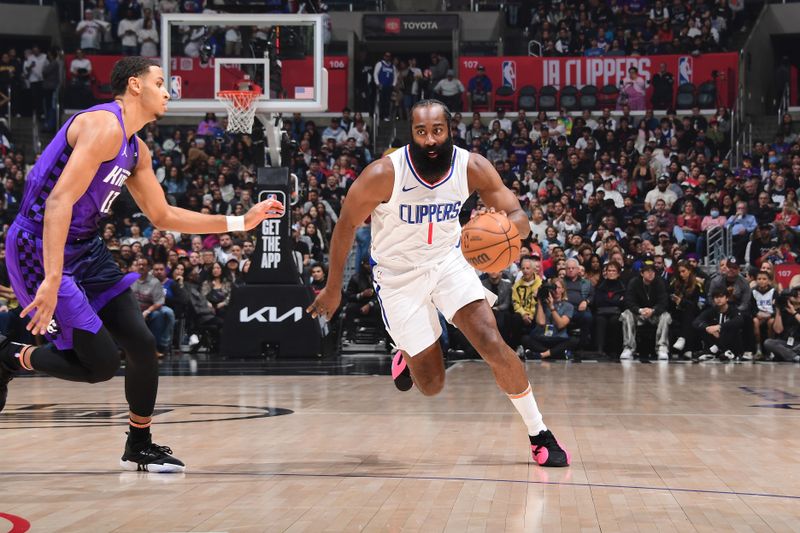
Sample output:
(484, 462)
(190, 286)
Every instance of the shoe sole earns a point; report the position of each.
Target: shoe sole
(131, 466)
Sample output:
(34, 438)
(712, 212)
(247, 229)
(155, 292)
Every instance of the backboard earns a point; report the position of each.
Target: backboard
(203, 54)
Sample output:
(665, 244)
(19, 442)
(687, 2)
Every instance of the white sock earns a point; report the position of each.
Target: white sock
(525, 404)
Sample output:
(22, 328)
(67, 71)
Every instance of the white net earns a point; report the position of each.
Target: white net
(241, 106)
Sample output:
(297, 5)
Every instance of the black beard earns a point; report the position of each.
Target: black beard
(432, 169)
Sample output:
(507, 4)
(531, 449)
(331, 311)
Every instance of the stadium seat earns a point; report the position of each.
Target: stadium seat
(548, 98)
(569, 98)
(707, 95)
(527, 98)
(686, 96)
(608, 97)
(588, 97)
(504, 97)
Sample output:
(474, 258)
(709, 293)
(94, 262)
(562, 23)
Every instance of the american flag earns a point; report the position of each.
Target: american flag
(304, 93)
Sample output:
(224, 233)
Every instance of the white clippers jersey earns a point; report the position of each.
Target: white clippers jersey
(419, 225)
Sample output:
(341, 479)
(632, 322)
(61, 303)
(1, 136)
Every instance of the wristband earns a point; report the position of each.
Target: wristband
(235, 223)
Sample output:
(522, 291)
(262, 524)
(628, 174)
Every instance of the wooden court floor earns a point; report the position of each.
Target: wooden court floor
(659, 447)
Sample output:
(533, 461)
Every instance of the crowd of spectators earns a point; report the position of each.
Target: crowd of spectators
(630, 27)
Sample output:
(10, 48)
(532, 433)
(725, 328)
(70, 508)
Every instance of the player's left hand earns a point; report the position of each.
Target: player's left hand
(269, 208)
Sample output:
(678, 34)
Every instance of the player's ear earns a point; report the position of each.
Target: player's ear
(135, 84)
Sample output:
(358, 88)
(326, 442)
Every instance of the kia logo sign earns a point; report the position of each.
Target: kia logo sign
(392, 25)
(270, 314)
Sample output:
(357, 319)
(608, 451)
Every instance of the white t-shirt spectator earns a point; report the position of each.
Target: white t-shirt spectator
(505, 124)
(361, 137)
(126, 26)
(447, 87)
(77, 64)
(91, 31)
(148, 39)
(34, 67)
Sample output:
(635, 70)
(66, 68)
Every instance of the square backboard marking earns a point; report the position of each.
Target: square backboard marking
(318, 103)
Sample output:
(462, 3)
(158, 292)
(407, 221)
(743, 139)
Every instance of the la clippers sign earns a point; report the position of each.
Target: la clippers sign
(517, 72)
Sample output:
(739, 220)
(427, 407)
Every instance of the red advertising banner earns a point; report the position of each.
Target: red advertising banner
(785, 273)
(518, 71)
(198, 79)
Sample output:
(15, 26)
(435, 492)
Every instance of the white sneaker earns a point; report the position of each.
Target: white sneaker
(626, 354)
(194, 340)
(687, 355)
(520, 352)
(796, 359)
(747, 356)
(680, 344)
(727, 356)
(663, 353)
(714, 349)
(706, 357)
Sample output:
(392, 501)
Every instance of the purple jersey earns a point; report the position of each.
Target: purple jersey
(106, 184)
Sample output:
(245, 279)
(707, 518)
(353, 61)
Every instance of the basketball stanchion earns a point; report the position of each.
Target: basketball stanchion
(267, 316)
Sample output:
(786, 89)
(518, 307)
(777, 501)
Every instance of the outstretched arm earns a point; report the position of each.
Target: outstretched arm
(483, 177)
(372, 187)
(149, 196)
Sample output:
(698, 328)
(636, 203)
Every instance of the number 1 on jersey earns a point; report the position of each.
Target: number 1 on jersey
(430, 232)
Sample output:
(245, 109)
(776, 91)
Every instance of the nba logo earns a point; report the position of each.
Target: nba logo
(175, 87)
(684, 70)
(510, 74)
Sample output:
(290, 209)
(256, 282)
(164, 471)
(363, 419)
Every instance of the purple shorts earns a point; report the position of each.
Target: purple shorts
(90, 280)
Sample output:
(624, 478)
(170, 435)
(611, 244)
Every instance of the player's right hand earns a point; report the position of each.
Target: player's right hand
(45, 305)
(269, 208)
(325, 304)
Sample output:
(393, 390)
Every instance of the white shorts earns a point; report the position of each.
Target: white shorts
(410, 298)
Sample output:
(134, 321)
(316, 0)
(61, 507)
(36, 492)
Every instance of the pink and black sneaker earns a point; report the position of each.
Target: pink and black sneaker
(547, 451)
(400, 372)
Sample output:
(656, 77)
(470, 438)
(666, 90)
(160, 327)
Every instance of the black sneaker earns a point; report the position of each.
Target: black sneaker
(150, 458)
(547, 451)
(6, 373)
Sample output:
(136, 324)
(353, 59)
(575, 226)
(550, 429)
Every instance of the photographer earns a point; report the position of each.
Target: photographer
(786, 346)
(550, 337)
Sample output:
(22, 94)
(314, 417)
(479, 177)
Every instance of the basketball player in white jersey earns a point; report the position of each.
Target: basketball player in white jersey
(414, 196)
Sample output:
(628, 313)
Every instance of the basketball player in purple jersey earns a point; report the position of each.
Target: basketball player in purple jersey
(63, 274)
(414, 196)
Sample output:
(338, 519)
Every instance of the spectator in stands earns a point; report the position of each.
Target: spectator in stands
(523, 297)
(450, 90)
(52, 75)
(609, 304)
(318, 278)
(33, 68)
(633, 89)
(438, 69)
(360, 298)
(646, 303)
(217, 289)
(149, 292)
(686, 301)
(550, 337)
(579, 293)
(785, 346)
(385, 78)
(663, 86)
(501, 287)
(479, 89)
(147, 37)
(127, 30)
(723, 325)
(741, 226)
(90, 32)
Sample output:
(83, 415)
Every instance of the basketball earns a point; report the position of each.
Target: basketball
(490, 242)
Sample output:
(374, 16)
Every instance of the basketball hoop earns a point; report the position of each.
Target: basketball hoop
(241, 106)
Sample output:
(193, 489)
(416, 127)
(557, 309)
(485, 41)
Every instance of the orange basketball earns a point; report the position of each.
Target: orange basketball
(490, 242)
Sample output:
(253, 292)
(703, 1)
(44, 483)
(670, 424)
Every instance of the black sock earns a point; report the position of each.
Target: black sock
(138, 436)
